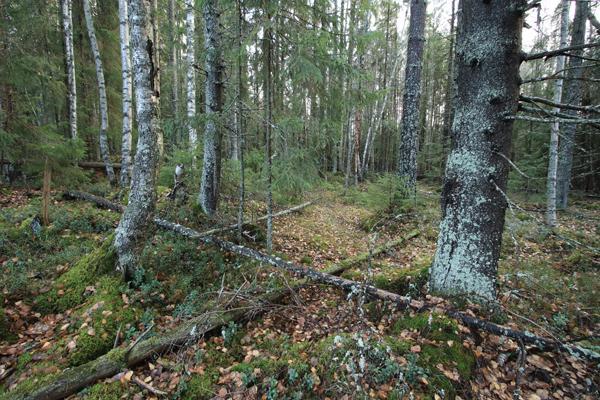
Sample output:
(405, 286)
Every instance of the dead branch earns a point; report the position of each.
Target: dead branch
(533, 99)
(553, 53)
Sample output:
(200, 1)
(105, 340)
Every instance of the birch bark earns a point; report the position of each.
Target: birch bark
(67, 22)
(127, 94)
(190, 40)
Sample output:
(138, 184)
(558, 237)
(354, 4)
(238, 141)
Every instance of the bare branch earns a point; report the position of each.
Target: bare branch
(532, 99)
(564, 51)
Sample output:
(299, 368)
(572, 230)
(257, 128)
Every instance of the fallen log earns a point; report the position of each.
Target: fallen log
(384, 248)
(74, 379)
(374, 292)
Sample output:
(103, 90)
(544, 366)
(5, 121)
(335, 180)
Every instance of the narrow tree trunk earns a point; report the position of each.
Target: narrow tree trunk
(157, 70)
(269, 118)
(407, 166)
(473, 200)
(67, 22)
(174, 39)
(555, 128)
(448, 106)
(104, 151)
(209, 188)
(127, 93)
(142, 196)
(573, 93)
(190, 41)
(240, 121)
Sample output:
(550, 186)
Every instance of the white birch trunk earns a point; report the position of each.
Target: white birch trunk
(190, 40)
(142, 196)
(127, 94)
(555, 128)
(104, 151)
(67, 22)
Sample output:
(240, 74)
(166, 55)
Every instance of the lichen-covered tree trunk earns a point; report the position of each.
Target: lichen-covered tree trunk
(143, 186)
(573, 94)
(407, 164)
(555, 128)
(67, 22)
(209, 187)
(190, 50)
(473, 200)
(103, 103)
(127, 94)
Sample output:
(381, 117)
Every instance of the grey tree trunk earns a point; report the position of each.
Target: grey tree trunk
(555, 128)
(209, 187)
(448, 107)
(240, 121)
(190, 29)
(103, 103)
(173, 39)
(142, 196)
(407, 165)
(573, 94)
(127, 94)
(268, 96)
(67, 22)
(473, 200)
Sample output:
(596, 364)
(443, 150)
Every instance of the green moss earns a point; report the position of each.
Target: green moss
(5, 333)
(23, 360)
(107, 312)
(73, 283)
(402, 280)
(579, 261)
(105, 391)
(200, 387)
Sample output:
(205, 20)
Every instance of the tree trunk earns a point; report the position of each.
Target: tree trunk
(127, 93)
(240, 121)
(407, 166)
(573, 93)
(142, 196)
(190, 41)
(104, 151)
(67, 21)
(174, 39)
(555, 128)
(209, 188)
(448, 106)
(473, 200)
(267, 39)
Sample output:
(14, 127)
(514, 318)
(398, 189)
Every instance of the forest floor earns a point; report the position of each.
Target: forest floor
(62, 304)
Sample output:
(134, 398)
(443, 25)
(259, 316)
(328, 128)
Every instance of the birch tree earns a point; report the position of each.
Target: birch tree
(407, 166)
(555, 127)
(209, 187)
(473, 198)
(190, 40)
(103, 103)
(127, 94)
(573, 94)
(142, 196)
(67, 23)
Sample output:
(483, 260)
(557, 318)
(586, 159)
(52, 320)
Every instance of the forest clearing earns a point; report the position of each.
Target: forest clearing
(324, 199)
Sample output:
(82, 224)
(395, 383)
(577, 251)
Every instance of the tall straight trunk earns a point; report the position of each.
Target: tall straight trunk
(142, 196)
(555, 128)
(407, 166)
(240, 120)
(269, 118)
(127, 94)
(448, 101)
(157, 69)
(209, 188)
(190, 41)
(573, 94)
(473, 198)
(67, 24)
(173, 41)
(103, 103)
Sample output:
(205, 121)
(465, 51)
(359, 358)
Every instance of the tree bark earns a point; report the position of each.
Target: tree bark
(67, 22)
(555, 128)
(407, 165)
(127, 94)
(267, 44)
(448, 106)
(209, 187)
(142, 196)
(473, 200)
(103, 103)
(190, 28)
(573, 94)
(174, 39)
(240, 121)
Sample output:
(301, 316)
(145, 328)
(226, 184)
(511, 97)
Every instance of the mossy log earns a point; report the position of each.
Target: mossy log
(384, 248)
(374, 292)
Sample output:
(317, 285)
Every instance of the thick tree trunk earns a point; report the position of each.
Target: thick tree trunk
(103, 102)
(67, 22)
(407, 165)
(190, 40)
(555, 128)
(143, 187)
(573, 94)
(209, 186)
(473, 200)
(127, 93)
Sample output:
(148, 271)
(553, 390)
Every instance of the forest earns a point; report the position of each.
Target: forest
(299, 199)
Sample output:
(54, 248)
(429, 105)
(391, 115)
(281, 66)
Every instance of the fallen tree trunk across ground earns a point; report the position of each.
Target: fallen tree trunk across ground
(374, 292)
